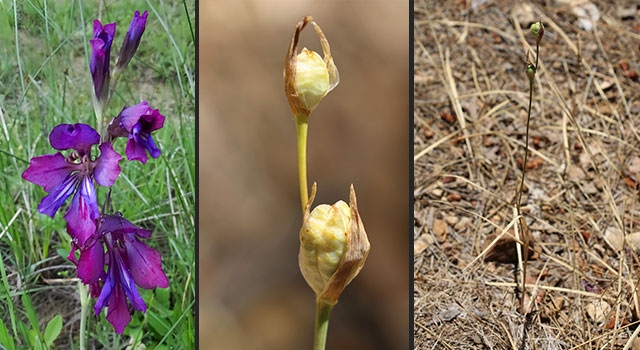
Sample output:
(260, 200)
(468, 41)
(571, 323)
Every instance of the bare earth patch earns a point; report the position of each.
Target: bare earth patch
(581, 189)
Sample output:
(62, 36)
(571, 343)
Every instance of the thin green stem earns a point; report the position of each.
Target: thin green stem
(84, 304)
(523, 226)
(323, 311)
(302, 125)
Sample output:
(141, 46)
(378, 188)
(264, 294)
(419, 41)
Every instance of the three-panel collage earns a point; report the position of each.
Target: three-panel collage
(402, 174)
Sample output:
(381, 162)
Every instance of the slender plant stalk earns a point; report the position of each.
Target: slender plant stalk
(323, 311)
(523, 225)
(302, 124)
(84, 305)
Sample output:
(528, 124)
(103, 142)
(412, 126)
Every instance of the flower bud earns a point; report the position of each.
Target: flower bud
(132, 39)
(531, 71)
(308, 78)
(333, 247)
(537, 29)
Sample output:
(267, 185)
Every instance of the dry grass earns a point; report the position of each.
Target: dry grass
(581, 201)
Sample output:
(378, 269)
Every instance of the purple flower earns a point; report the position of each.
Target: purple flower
(137, 122)
(129, 263)
(100, 55)
(132, 39)
(61, 176)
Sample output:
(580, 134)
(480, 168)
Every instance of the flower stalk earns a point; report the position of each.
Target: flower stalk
(302, 127)
(536, 29)
(83, 291)
(323, 311)
(333, 242)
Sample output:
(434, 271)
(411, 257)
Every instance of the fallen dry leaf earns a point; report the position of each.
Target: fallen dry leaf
(422, 243)
(633, 165)
(614, 238)
(575, 173)
(633, 240)
(598, 310)
(505, 250)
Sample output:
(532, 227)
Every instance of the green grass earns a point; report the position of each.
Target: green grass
(45, 81)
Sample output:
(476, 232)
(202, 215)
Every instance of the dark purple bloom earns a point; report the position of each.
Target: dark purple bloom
(61, 176)
(137, 122)
(100, 56)
(129, 263)
(132, 39)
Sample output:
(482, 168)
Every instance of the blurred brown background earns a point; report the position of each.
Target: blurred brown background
(251, 293)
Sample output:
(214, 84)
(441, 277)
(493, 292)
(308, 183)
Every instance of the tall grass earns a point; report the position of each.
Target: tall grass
(45, 81)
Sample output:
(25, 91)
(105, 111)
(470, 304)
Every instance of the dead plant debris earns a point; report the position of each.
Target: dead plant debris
(581, 203)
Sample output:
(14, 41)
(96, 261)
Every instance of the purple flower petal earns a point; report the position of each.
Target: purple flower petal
(91, 263)
(107, 169)
(118, 313)
(153, 120)
(145, 264)
(95, 289)
(136, 151)
(118, 224)
(118, 286)
(113, 296)
(48, 171)
(52, 202)
(137, 123)
(83, 212)
(128, 284)
(129, 116)
(106, 32)
(107, 289)
(143, 137)
(132, 39)
(100, 57)
(79, 137)
(99, 67)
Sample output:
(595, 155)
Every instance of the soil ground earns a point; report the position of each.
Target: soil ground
(580, 199)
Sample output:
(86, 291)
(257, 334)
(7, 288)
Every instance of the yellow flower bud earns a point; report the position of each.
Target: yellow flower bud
(323, 240)
(308, 78)
(312, 78)
(333, 247)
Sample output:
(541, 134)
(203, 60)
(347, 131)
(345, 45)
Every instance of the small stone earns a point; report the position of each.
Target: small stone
(451, 220)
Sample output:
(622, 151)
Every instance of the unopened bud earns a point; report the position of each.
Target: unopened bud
(531, 71)
(312, 78)
(537, 29)
(333, 247)
(308, 78)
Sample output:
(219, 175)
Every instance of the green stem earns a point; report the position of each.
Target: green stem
(84, 304)
(302, 125)
(323, 311)
(526, 148)
(523, 226)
